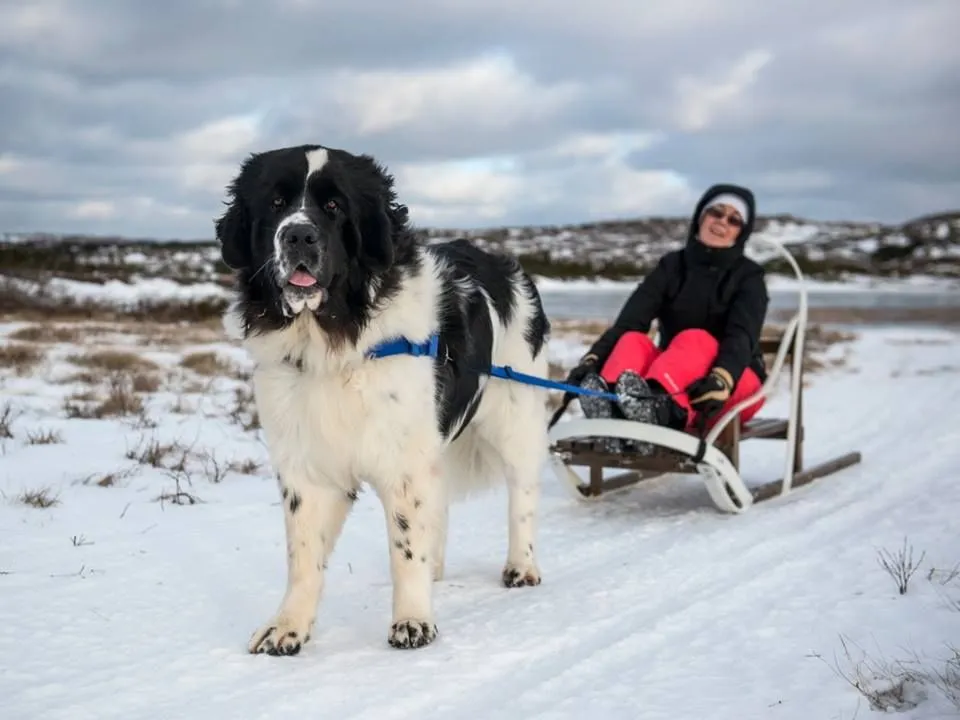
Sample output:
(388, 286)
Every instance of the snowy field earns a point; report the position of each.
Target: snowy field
(141, 542)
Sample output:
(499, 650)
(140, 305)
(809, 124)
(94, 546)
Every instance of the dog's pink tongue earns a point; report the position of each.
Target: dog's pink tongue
(302, 279)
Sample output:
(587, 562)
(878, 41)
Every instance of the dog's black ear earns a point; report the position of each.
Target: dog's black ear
(375, 236)
(233, 234)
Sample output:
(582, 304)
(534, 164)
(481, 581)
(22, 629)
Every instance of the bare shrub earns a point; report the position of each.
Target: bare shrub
(7, 416)
(901, 566)
(178, 496)
(886, 686)
(947, 678)
(214, 469)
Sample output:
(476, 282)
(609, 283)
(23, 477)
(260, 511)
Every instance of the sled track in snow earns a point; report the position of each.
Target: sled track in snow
(577, 659)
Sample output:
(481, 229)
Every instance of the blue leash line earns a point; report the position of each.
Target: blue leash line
(508, 373)
(431, 348)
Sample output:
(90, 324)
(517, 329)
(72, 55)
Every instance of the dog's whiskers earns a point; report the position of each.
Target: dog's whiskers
(270, 261)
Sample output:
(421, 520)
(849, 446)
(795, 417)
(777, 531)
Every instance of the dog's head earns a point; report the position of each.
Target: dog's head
(307, 221)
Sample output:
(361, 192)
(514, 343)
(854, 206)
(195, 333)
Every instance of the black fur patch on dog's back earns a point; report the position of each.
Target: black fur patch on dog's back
(476, 278)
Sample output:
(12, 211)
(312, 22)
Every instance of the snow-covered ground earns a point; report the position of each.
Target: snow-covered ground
(653, 605)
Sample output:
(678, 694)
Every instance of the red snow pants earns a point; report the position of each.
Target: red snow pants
(688, 357)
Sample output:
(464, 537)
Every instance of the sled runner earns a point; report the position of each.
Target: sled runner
(716, 455)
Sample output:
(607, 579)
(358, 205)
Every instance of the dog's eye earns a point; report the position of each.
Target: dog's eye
(332, 206)
(277, 203)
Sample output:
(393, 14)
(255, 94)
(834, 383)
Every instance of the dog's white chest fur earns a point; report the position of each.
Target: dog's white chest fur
(343, 423)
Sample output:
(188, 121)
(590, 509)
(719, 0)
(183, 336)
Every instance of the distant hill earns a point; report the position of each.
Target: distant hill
(928, 245)
(626, 249)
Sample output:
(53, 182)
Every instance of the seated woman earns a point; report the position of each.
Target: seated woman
(711, 302)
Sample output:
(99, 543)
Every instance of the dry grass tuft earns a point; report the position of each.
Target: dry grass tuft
(206, 363)
(154, 453)
(38, 498)
(22, 359)
(50, 334)
(83, 377)
(245, 467)
(108, 479)
(142, 382)
(112, 361)
(120, 401)
(44, 437)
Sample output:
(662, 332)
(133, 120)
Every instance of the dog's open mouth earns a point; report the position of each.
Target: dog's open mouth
(303, 290)
(301, 278)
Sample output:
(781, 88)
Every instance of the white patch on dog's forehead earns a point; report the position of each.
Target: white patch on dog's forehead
(316, 159)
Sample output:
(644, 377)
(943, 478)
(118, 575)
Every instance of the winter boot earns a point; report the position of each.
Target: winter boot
(640, 403)
(599, 408)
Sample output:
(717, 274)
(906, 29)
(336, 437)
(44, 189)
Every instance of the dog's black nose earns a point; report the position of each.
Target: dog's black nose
(299, 234)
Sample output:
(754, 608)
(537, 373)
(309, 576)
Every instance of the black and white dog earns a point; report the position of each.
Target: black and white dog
(328, 270)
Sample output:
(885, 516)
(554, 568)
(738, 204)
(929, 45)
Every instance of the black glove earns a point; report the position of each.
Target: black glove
(708, 394)
(587, 365)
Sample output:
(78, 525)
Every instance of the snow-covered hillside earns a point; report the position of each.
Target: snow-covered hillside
(141, 543)
(927, 246)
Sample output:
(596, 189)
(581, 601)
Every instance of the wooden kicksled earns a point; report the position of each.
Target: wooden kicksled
(715, 457)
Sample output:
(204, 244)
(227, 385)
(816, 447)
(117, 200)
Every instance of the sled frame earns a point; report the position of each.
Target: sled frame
(577, 442)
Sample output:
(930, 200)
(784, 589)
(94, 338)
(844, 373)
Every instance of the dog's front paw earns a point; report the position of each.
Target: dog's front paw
(515, 576)
(282, 636)
(409, 634)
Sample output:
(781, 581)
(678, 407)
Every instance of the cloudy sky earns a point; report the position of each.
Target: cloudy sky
(130, 116)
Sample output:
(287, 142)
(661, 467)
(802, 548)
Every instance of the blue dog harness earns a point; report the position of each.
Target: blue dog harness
(431, 348)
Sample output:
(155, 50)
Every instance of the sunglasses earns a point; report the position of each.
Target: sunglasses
(733, 219)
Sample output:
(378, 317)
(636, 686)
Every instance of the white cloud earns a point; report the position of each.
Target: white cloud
(705, 99)
(93, 210)
(488, 91)
(592, 145)
(600, 183)
(206, 156)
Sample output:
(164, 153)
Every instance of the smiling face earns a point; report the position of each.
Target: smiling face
(720, 226)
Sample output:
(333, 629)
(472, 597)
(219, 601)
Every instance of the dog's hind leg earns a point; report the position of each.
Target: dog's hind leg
(522, 445)
(313, 516)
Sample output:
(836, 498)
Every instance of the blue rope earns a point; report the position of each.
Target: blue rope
(431, 346)
(508, 373)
